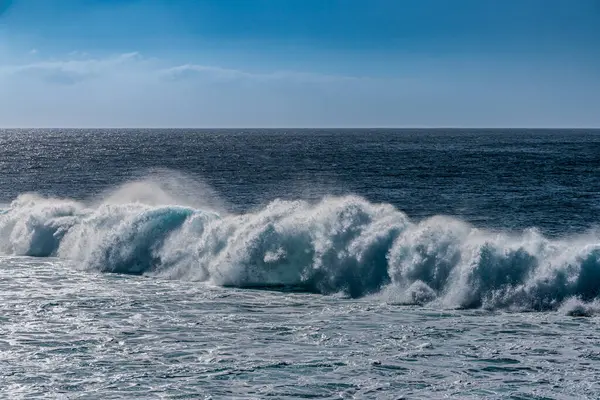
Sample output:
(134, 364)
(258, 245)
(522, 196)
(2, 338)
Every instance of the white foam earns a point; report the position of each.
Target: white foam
(339, 244)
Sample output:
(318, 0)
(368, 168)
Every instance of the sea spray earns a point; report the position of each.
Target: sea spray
(336, 245)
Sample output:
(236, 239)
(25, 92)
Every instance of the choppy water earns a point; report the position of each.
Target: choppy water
(299, 264)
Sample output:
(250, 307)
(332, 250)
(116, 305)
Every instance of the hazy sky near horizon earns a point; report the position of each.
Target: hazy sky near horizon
(299, 63)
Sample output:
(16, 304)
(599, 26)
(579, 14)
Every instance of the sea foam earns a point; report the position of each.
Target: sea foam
(336, 245)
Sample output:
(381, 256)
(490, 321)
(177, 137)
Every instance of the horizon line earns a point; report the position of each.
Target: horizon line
(303, 127)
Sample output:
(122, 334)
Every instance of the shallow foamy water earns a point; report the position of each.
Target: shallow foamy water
(67, 334)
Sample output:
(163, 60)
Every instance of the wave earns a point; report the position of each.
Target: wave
(339, 244)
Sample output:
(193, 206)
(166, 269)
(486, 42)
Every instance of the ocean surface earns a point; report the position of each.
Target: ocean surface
(327, 264)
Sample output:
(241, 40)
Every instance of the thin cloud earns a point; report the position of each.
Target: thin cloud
(71, 71)
(191, 71)
(80, 67)
(195, 71)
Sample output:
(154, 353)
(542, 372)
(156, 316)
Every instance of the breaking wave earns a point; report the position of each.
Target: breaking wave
(339, 244)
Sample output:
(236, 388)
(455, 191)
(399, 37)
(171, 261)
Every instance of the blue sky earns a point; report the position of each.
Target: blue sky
(280, 63)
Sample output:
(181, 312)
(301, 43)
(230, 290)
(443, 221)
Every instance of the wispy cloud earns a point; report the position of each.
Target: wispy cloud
(78, 67)
(133, 90)
(71, 70)
(193, 71)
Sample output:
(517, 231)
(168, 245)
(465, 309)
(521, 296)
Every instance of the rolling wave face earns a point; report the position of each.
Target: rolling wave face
(337, 245)
(123, 238)
(34, 226)
(462, 266)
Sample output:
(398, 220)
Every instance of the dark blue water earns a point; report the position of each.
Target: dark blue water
(506, 179)
(330, 264)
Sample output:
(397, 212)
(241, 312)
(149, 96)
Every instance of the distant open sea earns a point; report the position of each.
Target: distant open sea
(287, 264)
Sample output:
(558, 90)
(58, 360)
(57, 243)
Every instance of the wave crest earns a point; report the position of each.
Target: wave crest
(340, 244)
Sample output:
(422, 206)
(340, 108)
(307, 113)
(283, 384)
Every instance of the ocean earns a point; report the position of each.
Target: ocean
(287, 264)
